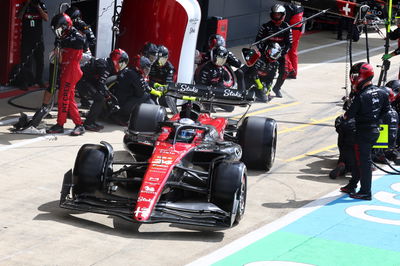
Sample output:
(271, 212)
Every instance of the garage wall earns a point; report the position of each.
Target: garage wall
(52, 8)
(244, 17)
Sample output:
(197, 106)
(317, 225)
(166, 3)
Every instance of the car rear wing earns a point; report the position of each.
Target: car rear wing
(211, 94)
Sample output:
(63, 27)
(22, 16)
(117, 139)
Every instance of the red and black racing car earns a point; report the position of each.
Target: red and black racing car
(187, 169)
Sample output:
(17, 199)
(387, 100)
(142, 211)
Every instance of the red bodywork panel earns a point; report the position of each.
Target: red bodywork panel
(10, 43)
(163, 160)
(162, 22)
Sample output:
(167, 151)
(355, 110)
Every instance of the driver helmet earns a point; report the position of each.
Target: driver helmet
(219, 55)
(162, 55)
(150, 50)
(215, 40)
(273, 51)
(394, 85)
(61, 24)
(74, 13)
(278, 13)
(186, 135)
(360, 74)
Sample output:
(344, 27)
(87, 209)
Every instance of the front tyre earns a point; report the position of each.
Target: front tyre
(89, 169)
(229, 189)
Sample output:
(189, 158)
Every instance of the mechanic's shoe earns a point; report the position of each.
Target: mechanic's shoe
(340, 170)
(277, 92)
(55, 129)
(361, 196)
(348, 189)
(78, 130)
(93, 127)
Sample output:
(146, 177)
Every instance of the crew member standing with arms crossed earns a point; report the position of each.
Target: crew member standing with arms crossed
(368, 105)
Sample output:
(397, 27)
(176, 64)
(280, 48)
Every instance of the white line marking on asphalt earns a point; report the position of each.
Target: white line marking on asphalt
(337, 59)
(270, 228)
(320, 47)
(30, 141)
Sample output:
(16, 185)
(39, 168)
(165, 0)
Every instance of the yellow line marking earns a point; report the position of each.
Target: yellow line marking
(308, 124)
(280, 106)
(311, 153)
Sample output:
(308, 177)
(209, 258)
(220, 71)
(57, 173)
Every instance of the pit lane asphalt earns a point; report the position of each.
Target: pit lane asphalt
(35, 231)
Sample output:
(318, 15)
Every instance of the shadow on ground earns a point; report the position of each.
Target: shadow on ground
(122, 228)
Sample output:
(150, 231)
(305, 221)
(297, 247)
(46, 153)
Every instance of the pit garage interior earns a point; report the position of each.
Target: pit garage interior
(236, 20)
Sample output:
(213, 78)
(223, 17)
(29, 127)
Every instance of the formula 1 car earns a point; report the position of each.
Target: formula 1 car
(188, 169)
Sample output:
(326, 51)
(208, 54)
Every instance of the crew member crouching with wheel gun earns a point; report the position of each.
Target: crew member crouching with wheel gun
(132, 88)
(93, 85)
(262, 73)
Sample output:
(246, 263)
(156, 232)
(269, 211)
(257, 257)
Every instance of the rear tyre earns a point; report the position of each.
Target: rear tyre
(88, 173)
(145, 117)
(229, 188)
(258, 137)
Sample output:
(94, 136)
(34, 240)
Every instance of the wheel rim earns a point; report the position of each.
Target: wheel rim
(242, 195)
(274, 147)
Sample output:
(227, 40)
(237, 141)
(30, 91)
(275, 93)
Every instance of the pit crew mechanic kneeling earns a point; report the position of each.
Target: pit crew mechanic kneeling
(368, 105)
(212, 72)
(93, 84)
(132, 89)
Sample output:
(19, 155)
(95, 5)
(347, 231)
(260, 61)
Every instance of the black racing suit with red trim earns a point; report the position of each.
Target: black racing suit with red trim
(93, 85)
(213, 75)
(131, 89)
(161, 74)
(283, 39)
(210, 75)
(85, 29)
(32, 45)
(70, 73)
(264, 70)
(368, 106)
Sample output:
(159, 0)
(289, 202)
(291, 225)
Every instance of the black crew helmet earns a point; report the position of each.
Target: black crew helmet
(219, 55)
(215, 40)
(150, 50)
(273, 51)
(74, 13)
(394, 85)
(278, 13)
(163, 54)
